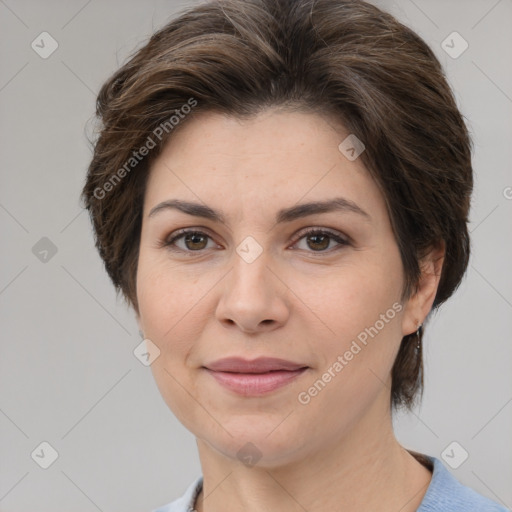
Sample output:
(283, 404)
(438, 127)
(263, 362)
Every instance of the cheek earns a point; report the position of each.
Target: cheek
(351, 298)
(170, 317)
(166, 304)
(361, 307)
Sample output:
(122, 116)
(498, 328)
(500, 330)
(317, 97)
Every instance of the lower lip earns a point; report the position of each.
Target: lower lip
(253, 384)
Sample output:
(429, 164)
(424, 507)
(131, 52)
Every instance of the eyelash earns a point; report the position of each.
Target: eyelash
(169, 243)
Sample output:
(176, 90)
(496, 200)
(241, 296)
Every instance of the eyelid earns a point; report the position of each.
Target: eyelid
(340, 238)
(167, 241)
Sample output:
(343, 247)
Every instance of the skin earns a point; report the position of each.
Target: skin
(302, 299)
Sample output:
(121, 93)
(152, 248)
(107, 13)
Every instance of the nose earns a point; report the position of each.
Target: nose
(253, 297)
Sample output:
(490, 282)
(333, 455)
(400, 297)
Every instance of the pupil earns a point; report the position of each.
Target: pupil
(193, 238)
(325, 239)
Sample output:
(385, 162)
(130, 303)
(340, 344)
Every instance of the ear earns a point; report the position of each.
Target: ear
(419, 304)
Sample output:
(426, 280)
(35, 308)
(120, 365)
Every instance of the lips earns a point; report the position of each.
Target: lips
(260, 365)
(253, 378)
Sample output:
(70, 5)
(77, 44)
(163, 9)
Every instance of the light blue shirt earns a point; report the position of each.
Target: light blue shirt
(444, 494)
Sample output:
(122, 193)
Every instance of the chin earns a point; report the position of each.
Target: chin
(260, 444)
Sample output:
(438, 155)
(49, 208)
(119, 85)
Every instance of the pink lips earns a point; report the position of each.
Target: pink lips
(256, 377)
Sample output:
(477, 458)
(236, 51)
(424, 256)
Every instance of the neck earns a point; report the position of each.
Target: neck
(365, 468)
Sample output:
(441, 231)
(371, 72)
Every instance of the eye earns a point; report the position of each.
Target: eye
(192, 240)
(318, 240)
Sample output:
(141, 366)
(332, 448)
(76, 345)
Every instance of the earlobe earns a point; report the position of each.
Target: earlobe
(139, 324)
(419, 304)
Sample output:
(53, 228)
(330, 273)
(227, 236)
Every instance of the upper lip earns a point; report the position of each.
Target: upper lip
(259, 365)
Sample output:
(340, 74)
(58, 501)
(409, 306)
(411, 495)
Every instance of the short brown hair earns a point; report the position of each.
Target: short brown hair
(341, 58)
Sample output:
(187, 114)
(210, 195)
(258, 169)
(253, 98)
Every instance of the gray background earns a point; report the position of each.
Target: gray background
(68, 375)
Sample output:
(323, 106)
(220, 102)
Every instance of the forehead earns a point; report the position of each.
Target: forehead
(272, 133)
(275, 157)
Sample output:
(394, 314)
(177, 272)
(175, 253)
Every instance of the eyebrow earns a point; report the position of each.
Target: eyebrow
(292, 213)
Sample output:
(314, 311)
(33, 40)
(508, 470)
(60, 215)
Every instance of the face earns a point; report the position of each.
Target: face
(250, 272)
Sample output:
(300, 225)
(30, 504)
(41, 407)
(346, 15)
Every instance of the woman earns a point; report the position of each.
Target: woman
(280, 190)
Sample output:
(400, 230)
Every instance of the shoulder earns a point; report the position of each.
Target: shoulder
(446, 493)
(186, 502)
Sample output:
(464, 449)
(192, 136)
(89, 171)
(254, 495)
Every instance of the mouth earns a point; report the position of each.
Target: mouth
(256, 377)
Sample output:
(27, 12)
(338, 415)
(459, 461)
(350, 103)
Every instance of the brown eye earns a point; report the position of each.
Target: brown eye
(191, 241)
(318, 240)
(195, 241)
